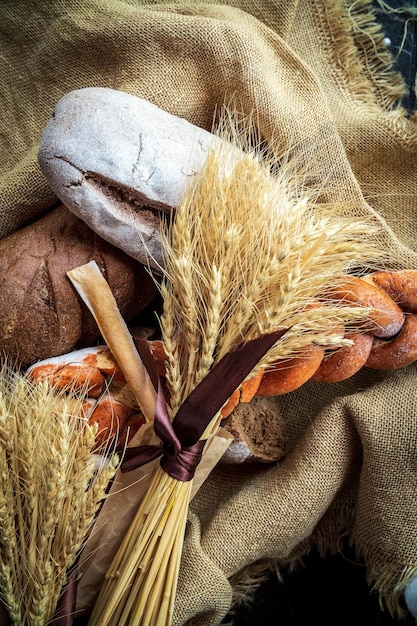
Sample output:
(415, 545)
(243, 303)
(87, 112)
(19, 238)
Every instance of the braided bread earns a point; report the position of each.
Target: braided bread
(389, 342)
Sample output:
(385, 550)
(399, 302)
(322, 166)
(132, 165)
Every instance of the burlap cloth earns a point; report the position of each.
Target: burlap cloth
(305, 66)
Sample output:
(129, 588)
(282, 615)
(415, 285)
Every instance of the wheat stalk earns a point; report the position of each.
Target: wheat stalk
(50, 492)
(249, 251)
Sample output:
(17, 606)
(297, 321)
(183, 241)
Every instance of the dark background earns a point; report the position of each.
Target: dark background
(333, 591)
(401, 29)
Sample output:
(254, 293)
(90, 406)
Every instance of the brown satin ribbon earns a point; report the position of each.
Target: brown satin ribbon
(181, 445)
(178, 459)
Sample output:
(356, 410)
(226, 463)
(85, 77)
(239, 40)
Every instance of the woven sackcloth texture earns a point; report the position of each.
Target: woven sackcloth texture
(317, 75)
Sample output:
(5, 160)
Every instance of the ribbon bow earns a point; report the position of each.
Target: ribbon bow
(181, 444)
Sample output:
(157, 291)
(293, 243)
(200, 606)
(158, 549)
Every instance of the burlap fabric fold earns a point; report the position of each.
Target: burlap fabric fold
(317, 74)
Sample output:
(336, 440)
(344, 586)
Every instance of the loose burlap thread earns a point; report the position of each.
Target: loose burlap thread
(317, 74)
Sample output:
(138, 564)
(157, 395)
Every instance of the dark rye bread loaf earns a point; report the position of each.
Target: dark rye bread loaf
(41, 315)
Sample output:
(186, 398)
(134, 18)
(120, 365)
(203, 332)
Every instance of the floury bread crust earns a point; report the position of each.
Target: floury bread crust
(41, 314)
(116, 160)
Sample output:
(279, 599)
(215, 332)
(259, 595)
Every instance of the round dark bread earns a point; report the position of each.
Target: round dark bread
(41, 314)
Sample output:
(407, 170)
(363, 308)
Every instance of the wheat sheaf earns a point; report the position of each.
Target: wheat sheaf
(253, 248)
(50, 492)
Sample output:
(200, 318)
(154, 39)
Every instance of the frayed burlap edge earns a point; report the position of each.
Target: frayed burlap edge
(333, 535)
(329, 537)
(358, 51)
(388, 583)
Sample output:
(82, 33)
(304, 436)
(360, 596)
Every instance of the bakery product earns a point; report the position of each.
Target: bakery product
(41, 314)
(258, 430)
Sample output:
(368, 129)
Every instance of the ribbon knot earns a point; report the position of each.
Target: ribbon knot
(179, 460)
(182, 464)
(181, 445)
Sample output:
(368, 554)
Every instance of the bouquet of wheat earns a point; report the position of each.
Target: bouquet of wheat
(248, 255)
(51, 488)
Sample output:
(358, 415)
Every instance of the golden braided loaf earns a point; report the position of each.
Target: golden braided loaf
(389, 342)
